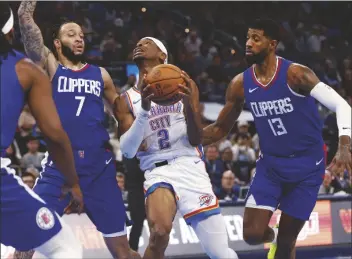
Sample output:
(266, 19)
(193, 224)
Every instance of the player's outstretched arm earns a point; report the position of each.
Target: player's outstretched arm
(33, 40)
(42, 106)
(228, 115)
(301, 79)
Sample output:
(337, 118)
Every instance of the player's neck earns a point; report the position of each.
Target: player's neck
(69, 64)
(267, 67)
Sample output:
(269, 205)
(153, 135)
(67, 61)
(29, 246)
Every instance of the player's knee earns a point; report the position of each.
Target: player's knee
(253, 235)
(159, 235)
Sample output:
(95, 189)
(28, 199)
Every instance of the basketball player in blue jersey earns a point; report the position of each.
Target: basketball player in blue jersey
(281, 95)
(26, 221)
(171, 157)
(78, 92)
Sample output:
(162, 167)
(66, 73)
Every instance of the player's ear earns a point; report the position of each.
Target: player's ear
(162, 55)
(273, 44)
(57, 43)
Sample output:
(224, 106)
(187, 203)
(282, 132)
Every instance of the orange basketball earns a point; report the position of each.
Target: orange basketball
(164, 80)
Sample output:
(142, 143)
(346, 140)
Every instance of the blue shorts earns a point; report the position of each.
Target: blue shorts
(290, 184)
(26, 221)
(102, 196)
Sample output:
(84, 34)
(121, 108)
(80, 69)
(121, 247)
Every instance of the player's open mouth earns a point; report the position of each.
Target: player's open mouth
(138, 52)
(249, 53)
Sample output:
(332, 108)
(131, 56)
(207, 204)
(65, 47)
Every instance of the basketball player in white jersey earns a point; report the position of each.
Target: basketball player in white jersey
(171, 156)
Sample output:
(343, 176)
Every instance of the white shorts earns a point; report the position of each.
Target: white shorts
(187, 178)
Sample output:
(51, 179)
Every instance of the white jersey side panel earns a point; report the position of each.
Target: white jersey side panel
(165, 137)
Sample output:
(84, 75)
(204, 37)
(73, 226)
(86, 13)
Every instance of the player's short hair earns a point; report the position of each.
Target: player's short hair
(57, 27)
(270, 27)
(5, 13)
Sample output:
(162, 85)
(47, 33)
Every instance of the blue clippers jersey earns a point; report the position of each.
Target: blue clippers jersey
(12, 98)
(78, 98)
(287, 123)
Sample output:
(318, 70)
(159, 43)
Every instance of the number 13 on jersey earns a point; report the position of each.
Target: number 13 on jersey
(277, 126)
(80, 105)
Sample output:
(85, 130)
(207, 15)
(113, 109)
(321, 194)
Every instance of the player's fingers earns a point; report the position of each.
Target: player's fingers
(146, 88)
(185, 73)
(185, 89)
(80, 207)
(186, 79)
(183, 94)
(149, 97)
(68, 209)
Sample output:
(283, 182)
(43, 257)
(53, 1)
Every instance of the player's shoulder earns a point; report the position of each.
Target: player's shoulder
(237, 81)
(28, 72)
(26, 65)
(296, 72)
(132, 93)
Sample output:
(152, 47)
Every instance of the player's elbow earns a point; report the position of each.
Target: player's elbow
(126, 147)
(128, 154)
(53, 132)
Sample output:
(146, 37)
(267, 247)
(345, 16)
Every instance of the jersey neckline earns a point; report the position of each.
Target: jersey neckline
(272, 80)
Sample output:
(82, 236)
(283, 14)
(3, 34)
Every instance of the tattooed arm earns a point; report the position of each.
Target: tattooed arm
(33, 39)
(228, 115)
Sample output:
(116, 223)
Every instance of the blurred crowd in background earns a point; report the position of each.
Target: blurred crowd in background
(206, 40)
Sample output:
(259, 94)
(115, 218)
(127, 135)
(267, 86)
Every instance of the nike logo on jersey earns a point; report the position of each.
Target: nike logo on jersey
(317, 163)
(108, 161)
(253, 89)
(196, 162)
(345, 128)
(136, 101)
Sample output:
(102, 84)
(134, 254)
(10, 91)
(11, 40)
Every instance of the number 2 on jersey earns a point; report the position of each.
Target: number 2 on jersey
(163, 140)
(277, 126)
(81, 102)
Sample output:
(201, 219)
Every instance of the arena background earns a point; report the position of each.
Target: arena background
(207, 39)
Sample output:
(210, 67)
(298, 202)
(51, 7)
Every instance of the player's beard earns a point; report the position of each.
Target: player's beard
(257, 58)
(68, 53)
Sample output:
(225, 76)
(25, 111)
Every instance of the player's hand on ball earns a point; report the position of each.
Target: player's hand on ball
(76, 203)
(190, 90)
(342, 161)
(146, 94)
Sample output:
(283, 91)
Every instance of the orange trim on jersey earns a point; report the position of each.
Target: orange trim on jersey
(215, 206)
(129, 100)
(199, 152)
(135, 89)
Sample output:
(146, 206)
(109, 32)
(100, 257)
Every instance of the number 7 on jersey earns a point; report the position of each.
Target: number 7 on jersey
(81, 102)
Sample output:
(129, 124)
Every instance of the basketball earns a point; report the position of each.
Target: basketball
(164, 80)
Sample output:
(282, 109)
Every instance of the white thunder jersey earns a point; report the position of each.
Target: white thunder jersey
(165, 137)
